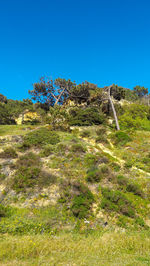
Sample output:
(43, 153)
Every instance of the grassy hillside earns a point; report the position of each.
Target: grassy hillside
(61, 190)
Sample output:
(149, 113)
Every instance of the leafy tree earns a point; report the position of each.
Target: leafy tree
(118, 92)
(49, 93)
(43, 93)
(5, 117)
(3, 98)
(140, 91)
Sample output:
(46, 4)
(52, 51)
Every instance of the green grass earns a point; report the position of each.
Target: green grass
(107, 248)
(14, 129)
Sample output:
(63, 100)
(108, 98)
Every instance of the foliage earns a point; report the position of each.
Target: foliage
(121, 138)
(57, 117)
(29, 173)
(5, 116)
(47, 150)
(77, 197)
(8, 152)
(135, 116)
(78, 148)
(3, 211)
(85, 134)
(85, 117)
(134, 188)
(81, 203)
(116, 201)
(140, 91)
(43, 93)
(94, 174)
(118, 92)
(40, 137)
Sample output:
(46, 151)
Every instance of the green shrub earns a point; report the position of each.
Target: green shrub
(85, 117)
(85, 134)
(41, 137)
(121, 138)
(135, 116)
(140, 221)
(81, 203)
(116, 201)
(90, 159)
(115, 166)
(135, 189)
(122, 181)
(29, 174)
(101, 139)
(3, 211)
(8, 153)
(101, 131)
(128, 164)
(77, 197)
(94, 175)
(47, 150)
(78, 148)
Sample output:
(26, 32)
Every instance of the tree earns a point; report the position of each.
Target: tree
(49, 93)
(43, 93)
(140, 91)
(3, 98)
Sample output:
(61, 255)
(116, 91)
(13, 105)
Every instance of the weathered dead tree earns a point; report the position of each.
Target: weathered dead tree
(113, 108)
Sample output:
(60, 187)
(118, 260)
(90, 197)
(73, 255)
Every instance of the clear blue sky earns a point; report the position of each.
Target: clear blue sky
(101, 41)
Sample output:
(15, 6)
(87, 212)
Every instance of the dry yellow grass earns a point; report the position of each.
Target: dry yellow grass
(97, 249)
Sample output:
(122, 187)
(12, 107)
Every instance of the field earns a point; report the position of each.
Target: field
(97, 248)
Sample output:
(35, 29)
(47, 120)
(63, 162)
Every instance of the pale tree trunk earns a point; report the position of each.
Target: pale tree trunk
(113, 108)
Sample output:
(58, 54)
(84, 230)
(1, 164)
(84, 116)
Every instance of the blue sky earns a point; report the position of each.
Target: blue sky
(101, 41)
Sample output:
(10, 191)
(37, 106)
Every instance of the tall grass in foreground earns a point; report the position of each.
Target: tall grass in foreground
(109, 248)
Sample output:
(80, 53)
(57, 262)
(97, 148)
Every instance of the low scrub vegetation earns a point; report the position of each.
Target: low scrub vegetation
(40, 137)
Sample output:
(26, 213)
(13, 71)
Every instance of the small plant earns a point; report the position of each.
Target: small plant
(47, 150)
(85, 134)
(3, 211)
(135, 189)
(101, 131)
(101, 139)
(90, 159)
(78, 148)
(128, 164)
(115, 166)
(122, 181)
(121, 138)
(8, 153)
(94, 175)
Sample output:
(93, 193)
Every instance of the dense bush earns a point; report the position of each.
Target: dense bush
(81, 203)
(116, 201)
(40, 137)
(5, 117)
(121, 138)
(85, 117)
(78, 198)
(94, 174)
(135, 116)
